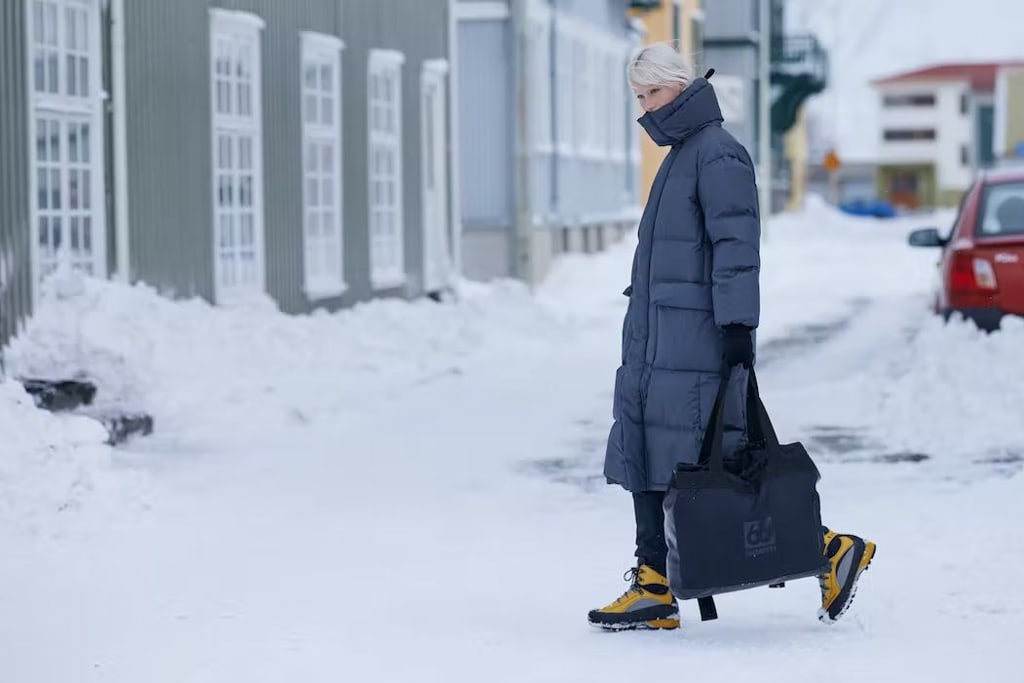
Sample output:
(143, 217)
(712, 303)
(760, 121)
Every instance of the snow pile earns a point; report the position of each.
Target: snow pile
(201, 369)
(397, 443)
(230, 375)
(818, 264)
(960, 396)
(48, 463)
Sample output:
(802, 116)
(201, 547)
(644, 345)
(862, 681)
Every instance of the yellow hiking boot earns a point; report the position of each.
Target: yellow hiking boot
(648, 604)
(849, 556)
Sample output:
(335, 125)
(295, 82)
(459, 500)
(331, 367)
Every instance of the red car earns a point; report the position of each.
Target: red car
(982, 265)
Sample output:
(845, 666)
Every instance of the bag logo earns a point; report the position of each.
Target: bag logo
(759, 537)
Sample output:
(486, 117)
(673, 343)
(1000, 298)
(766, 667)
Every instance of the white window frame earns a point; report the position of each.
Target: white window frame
(386, 275)
(238, 27)
(66, 109)
(583, 111)
(435, 177)
(539, 77)
(583, 54)
(609, 88)
(565, 103)
(323, 254)
(619, 116)
(633, 128)
(481, 10)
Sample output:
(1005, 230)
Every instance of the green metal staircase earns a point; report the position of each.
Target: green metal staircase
(799, 70)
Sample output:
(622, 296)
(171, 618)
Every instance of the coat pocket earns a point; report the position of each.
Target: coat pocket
(685, 336)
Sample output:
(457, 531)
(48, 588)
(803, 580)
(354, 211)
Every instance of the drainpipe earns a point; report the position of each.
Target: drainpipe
(764, 112)
(554, 208)
(454, 178)
(120, 132)
(522, 232)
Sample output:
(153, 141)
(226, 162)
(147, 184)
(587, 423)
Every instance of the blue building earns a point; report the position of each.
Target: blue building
(548, 145)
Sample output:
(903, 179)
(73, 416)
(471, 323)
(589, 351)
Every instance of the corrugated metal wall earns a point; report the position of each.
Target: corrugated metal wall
(282, 137)
(169, 138)
(167, 76)
(419, 29)
(15, 257)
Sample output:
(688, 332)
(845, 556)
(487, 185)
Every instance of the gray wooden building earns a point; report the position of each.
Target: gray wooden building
(548, 145)
(227, 148)
(15, 233)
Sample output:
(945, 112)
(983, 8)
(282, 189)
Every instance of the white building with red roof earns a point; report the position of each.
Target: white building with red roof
(937, 126)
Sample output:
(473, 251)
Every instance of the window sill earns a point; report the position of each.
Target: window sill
(321, 291)
(388, 281)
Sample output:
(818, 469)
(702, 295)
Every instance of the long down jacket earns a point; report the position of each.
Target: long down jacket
(695, 270)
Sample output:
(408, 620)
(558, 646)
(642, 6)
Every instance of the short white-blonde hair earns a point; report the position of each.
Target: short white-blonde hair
(658, 64)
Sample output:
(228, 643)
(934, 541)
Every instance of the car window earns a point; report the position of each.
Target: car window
(959, 213)
(1002, 210)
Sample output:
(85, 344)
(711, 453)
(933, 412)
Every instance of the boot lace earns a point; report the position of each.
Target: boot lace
(633, 576)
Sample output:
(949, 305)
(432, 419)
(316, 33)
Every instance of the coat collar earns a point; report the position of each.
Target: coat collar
(694, 108)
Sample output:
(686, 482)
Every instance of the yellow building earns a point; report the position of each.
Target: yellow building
(1008, 115)
(682, 22)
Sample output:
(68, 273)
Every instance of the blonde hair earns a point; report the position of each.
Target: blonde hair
(658, 64)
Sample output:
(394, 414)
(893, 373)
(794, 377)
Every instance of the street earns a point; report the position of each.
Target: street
(434, 509)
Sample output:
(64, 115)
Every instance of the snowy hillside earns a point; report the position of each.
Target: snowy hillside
(868, 39)
(411, 491)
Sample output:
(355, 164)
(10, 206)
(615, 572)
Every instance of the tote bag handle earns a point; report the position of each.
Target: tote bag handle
(758, 423)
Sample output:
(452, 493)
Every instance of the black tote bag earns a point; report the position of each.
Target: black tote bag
(749, 520)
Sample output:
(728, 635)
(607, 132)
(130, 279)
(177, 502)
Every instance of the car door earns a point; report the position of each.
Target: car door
(999, 240)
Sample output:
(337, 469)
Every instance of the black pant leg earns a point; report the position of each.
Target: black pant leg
(650, 529)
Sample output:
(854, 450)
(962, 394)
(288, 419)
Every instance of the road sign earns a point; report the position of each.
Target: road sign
(831, 161)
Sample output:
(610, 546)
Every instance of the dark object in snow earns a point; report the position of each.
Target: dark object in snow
(68, 395)
(902, 457)
(60, 395)
(120, 426)
(870, 207)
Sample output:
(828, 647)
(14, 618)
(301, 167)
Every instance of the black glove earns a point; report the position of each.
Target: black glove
(738, 345)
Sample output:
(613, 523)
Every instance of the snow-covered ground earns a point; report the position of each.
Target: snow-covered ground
(411, 491)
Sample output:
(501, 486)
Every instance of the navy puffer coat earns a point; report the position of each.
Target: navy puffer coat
(695, 270)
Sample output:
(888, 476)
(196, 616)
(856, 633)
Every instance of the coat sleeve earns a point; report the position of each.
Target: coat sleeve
(728, 197)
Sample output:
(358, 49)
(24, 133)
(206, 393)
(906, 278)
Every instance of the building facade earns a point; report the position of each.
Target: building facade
(549, 149)
(732, 46)
(1008, 114)
(937, 128)
(228, 149)
(680, 22)
(15, 227)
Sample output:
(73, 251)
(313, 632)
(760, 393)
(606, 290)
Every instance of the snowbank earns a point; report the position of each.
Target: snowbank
(820, 264)
(960, 395)
(48, 463)
(214, 375)
(202, 370)
(401, 442)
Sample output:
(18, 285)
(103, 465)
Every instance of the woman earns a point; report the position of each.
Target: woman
(693, 307)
